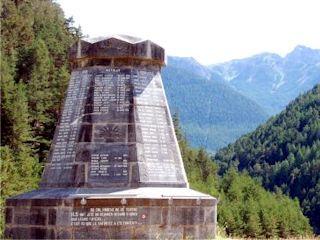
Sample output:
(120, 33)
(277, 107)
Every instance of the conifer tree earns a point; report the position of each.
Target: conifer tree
(39, 94)
(7, 93)
(22, 141)
(252, 227)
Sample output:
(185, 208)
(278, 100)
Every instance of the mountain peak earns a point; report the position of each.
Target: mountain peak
(270, 79)
(303, 53)
(301, 48)
(189, 60)
(191, 64)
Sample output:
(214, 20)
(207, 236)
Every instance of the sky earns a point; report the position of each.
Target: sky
(211, 31)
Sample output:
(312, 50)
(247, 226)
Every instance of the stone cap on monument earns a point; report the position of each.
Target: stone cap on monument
(116, 50)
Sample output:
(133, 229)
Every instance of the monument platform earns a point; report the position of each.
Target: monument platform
(114, 170)
(142, 213)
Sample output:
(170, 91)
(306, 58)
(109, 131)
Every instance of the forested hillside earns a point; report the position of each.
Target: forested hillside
(34, 75)
(245, 208)
(284, 153)
(219, 103)
(34, 71)
(212, 114)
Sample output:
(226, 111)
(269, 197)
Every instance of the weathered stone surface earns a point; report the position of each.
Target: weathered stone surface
(114, 170)
(52, 217)
(114, 105)
(46, 202)
(17, 232)
(125, 217)
(166, 232)
(41, 233)
(63, 233)
(63, 217)
(30, 216)
(89, 233)
(29, 233)
(8, 215)
(64, 175)
(187, 216)
(116, 50)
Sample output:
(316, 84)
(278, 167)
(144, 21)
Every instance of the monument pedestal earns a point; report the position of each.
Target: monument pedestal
(114, 169)
(142, 213)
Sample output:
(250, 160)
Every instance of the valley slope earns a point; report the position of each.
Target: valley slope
(220, 102)
(284, 153)
(212, 114)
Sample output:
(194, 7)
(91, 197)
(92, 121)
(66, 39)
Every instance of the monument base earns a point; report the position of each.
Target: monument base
(141, 213)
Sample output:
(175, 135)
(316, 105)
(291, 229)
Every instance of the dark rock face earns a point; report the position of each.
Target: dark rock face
(114, 168)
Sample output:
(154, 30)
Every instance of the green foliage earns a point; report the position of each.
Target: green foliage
(34, 74)
(284, 153)
(38, 83)
(20, 167)
(201, 171)
(245, 209)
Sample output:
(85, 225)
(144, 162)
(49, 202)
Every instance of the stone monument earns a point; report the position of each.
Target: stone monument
(114, 170)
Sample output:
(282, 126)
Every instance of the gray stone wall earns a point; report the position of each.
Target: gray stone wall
(117, 218)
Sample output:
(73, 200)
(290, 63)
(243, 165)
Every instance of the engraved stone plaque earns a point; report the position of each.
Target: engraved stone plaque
(112, 109)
